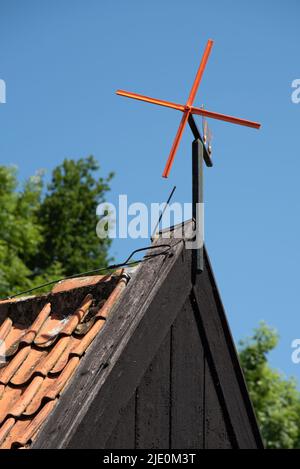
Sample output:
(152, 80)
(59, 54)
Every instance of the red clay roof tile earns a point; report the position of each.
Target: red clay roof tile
(78, 316)
(25, 429)
(36, 402)
(5, 328)
(7, 372)
(43, 350)
(5, 429)
(12, 340)
(37, 324)
(80, 282)
(49, 361)
(64, 357)
(26, 397)
(26, 370)
(49, 331)
(63, 379)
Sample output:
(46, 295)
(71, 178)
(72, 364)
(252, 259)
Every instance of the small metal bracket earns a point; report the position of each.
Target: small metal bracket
(197, 136)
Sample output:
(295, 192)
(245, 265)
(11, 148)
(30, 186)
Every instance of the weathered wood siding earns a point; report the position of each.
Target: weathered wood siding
(176, 404)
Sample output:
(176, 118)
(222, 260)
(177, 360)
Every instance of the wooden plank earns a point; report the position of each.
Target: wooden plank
(119, 356)
(153, 402)
(123, 435)
(216, 432)
(219, 345)
(187, 388)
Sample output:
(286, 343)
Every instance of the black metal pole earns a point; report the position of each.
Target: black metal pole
(198, 208)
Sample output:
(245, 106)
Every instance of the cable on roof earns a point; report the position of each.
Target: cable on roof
(163, 212)
(126, 263)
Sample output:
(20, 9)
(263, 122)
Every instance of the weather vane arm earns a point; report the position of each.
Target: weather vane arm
(176, 142)
(200, 72)
(223, 117)
(147, 99)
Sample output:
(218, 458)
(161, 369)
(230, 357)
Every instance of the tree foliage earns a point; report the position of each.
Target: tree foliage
(276, 399)
(68, 218)
(49, 232)
(20, 231)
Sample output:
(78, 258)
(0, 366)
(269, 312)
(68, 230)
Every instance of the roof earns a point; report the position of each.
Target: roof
(73, 399)
(42, 342)
(110, 375)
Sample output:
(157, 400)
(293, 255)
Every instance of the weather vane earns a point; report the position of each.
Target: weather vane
(201, 148)
(189, 110)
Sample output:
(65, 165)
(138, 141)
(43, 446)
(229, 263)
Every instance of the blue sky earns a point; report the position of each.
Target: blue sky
(62, 62)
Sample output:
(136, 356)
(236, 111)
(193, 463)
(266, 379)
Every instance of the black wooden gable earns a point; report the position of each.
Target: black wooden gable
(164, 371)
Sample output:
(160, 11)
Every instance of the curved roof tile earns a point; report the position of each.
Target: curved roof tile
(43, 352)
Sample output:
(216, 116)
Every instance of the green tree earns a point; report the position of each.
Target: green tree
(20, 232)
(276, 399)
(47, 233)
(68, 218)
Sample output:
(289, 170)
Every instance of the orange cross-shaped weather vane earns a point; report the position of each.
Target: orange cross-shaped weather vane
(189, 109)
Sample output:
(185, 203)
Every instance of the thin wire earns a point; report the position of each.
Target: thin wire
(102, 269)
(163, 212)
